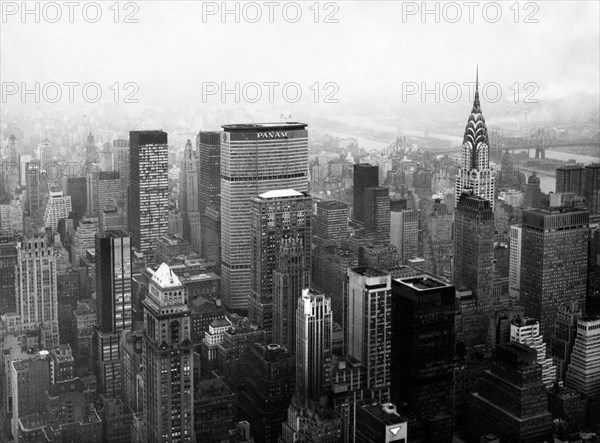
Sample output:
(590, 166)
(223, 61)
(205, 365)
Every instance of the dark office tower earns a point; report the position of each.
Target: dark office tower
(422, 354)
(189, 197)
(376, 423)
(103, 190)
(313, 346)
(533, 192)
(113, 281)
(76, 188)
(565, 331)
(91, 151)
(270, 378)
(592, 303)
(149, 189)
(168, 380)
(365, 176)
(8, 260)
(331, 222)
(120, 151)
(474, 248)
(208, 147)
(33, 193)
(554, 250)
(289, 278)
(570, 178)
(255, 158)
(276, 216)
(592, 188)
(377, 213)
(367, 326)
(475, 173)
(511, 402)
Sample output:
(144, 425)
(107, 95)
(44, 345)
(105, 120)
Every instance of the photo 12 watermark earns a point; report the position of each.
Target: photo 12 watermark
(470, 12)
(269, 92)
(69, 92)
(69, 12)
(454, 92)
(270, 12)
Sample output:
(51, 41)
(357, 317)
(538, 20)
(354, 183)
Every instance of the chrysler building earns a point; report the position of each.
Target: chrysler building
(475, 175)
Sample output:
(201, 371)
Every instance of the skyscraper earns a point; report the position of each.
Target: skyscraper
(367, 326)
(583, 373)
(331, 221)
(208, 146)
(189, 197)
(565, 331)
(8, 260)
(404, 232)
(527, 331)
(511, 402)
(33, 193)
(377, 213)
(58, 206)
(570, 178)
(514, 263)
(422, 353)
(533, 193)
(313, 345)
(474, 248)
(255, 158)
(91, 151)
(554, 244)
(36, 288)
(103, 189)
(149, 204)
(113, 280)
(167, 356)
(276, 216)
(592, 188)
(474, 172)
(365, 176)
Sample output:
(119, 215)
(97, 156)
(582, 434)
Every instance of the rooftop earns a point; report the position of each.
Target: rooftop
(281, 193)
(369, 271)
(251, 127)
(422, 282)
(165, 277)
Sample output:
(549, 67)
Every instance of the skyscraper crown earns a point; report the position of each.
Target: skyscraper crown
(476, 130)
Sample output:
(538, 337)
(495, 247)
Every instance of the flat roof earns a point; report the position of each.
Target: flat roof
(252, 127)
(423, 282)
(281, 193)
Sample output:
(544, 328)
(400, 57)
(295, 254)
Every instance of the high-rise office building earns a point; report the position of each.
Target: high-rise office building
(276, 216)
(113, 281)
(103, 189)
(36, 288)
(365, 176)
(208, 147)
(527, 331)
(404, 232)
(570, 178)
(422, 354)
(437, 239)
(34, 196)
(367, 326)
(58, 206)
(514, 262)
(167, 355)
(331, 221)
(149, 189)
(376, 423)
(511, 401)
(255, 158)
(76, 188)
(474, 248)
(533, 192)
(554, 264)
(120, 151)
(583, 373)
(313, 345)
(8, 260)
(291, 275)
(84, 238)
(189, 196)
(592, 188)
(91, 150)
(474, 173)
(565, 331)
(377, 213)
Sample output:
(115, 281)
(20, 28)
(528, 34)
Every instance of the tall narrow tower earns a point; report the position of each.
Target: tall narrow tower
(167, 357)
(475, 173)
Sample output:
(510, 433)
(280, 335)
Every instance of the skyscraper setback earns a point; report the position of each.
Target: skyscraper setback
(474, 172)
(149, 207)
(255, 158)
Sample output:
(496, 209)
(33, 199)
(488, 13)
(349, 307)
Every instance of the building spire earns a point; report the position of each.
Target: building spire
(476, 105)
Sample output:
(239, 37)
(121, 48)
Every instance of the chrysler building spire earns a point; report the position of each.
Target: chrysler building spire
(475, 175)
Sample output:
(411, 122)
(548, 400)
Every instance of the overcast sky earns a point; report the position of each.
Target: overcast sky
(369, 53)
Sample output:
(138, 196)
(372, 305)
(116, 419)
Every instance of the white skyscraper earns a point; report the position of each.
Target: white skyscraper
(583, 374)
(58, 206)
(474, 174)
(527, 331)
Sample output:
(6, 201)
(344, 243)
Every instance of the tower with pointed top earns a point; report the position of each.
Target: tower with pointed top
(188, 197)
(474, 174)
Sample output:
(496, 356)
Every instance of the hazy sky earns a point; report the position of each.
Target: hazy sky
(373, 49)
